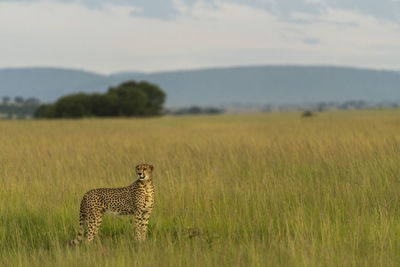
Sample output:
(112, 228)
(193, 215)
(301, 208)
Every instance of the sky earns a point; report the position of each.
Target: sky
(163, 35)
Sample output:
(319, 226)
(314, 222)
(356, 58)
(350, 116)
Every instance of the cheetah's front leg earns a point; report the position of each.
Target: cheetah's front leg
(141, 222)
(138, 223)
(145, 222)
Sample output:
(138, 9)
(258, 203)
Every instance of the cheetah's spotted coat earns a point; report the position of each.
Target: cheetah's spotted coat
(137, 199)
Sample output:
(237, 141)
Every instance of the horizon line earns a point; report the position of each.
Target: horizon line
(236, 66)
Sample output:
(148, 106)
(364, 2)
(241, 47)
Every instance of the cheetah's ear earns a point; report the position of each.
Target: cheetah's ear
(151, 167)
(137, 166)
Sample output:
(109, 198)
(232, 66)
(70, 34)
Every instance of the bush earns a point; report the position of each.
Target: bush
(308, 113)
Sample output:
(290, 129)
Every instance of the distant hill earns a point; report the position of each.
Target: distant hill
(47, 84)
(217, 86)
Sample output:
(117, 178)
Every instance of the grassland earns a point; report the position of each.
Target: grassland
(248, 190)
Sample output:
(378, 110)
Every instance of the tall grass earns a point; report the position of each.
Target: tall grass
(255, 190)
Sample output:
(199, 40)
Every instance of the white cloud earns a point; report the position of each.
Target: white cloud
(110, 39)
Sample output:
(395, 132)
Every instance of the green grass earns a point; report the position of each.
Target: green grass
(248, 190)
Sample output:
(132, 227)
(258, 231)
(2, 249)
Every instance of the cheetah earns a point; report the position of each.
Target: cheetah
(136, 199)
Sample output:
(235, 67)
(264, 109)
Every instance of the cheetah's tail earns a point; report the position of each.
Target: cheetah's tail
(81, 231)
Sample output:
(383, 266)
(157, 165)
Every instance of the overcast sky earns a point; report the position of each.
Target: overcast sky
(156, 35)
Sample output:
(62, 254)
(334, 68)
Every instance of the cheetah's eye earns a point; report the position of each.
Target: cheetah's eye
(144, 169)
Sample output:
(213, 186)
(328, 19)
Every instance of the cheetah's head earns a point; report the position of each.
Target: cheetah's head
(144, 171)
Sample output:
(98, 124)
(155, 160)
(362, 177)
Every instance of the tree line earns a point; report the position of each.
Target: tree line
(18, 108)
(129, 99)
(195, 110)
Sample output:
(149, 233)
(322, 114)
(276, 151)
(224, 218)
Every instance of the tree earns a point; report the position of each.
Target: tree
(132, 101)
(155, 97)
(19, 99)
(73, 106)
(44, 111)
(6, 99)
(135, 99)
(32, 102)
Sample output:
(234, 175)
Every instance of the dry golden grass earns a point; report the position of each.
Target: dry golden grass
(248, 190)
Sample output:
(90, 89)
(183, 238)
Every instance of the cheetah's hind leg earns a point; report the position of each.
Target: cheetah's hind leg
(93, 228)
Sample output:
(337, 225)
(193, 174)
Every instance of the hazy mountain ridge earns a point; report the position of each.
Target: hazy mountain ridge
(47, 84)
(217, 86)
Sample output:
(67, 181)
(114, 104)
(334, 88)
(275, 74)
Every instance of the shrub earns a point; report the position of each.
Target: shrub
(307, 113)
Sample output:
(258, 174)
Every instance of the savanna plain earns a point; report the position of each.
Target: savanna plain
(272, 189)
